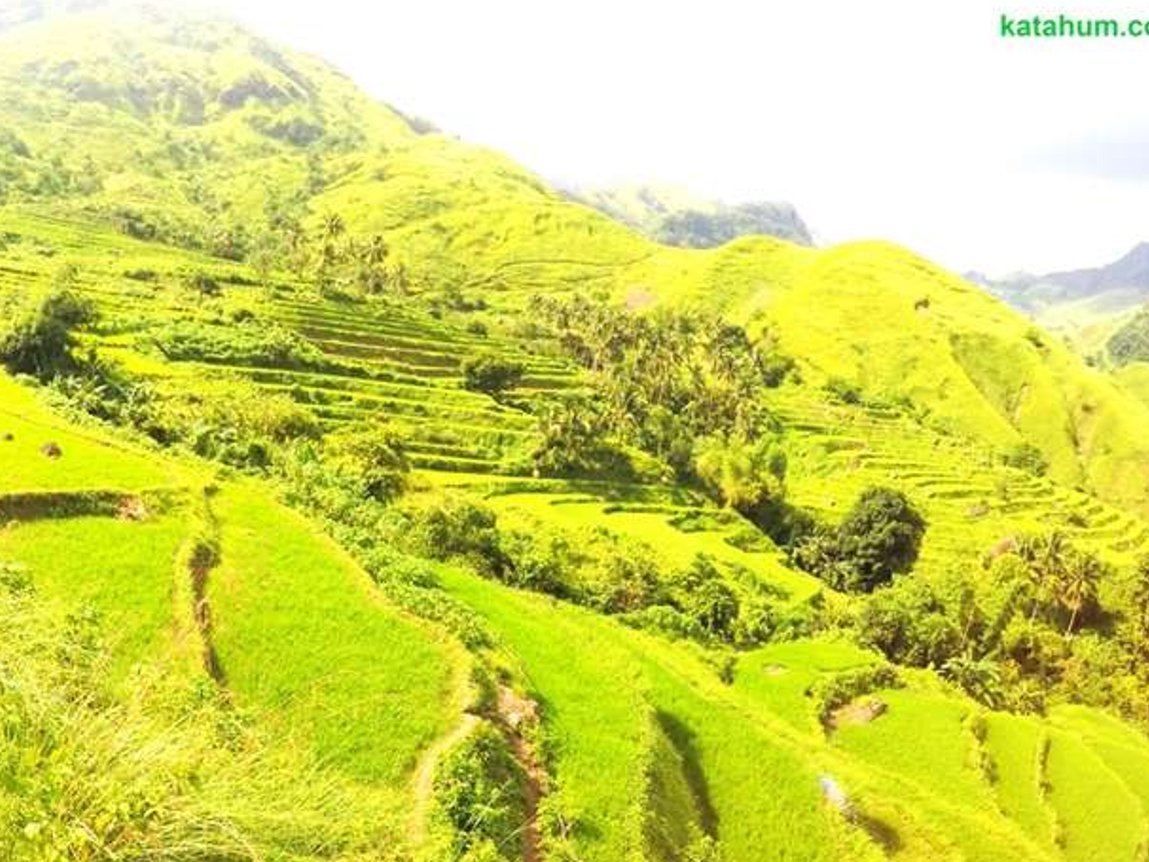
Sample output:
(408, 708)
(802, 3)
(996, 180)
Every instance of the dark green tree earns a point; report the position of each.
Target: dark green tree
(491, 375)
(41, 340)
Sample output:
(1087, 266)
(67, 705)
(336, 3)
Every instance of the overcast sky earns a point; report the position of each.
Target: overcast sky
(912, 121)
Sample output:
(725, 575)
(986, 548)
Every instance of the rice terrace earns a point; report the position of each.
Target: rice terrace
(367, 496)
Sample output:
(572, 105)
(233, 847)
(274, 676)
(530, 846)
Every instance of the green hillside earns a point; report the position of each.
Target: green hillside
(361, 497)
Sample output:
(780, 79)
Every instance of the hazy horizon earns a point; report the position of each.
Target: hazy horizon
(900, 121)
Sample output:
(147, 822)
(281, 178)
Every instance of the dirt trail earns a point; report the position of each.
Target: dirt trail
(513, 716)
(424, 782)
(203, 560)
(198, 558)
(516, 714)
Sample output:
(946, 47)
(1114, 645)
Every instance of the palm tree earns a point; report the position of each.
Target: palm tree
(372, 262)
(1044, 558)
(297, 245)
(333, 227)
(1078, 585)
(980, 678)
(375, 253)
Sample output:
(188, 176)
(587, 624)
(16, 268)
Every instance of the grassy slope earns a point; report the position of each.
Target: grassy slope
(186, 91)
(303, 636)
(90, 461)
(969, 363)
(350, 690)
(123, 569)
(751, 793)
(752, 754)
(465, 216)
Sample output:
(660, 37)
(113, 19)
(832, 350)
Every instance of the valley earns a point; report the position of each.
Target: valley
(364, 497)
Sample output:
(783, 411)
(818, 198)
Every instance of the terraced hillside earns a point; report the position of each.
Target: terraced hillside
(463, 218)
(666, 755)
(971, 498)
(198, 590)
(397, 361)
(362, 498)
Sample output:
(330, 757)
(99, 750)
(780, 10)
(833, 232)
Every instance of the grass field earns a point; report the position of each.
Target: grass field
(343, 692)
(123, 570)
(303, 637)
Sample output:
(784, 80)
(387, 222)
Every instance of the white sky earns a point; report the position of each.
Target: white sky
(912, 121)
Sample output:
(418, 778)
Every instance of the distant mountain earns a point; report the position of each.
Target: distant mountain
(676, 218)
(1084, 294)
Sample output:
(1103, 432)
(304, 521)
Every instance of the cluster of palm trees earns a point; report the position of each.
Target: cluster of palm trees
(331, 257)
(1060, 576)
(663, 376)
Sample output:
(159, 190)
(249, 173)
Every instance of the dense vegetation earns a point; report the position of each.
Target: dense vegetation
(365, 499)
(1130, 343)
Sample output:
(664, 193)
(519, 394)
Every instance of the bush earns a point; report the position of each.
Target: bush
(665, 620)
(844, 390)
(908, 624)
(706, 598)
(443, 529)
(1026, 456)
(373, 457)
(879, 537)
(479, 797)
(834, 691)
(40, 340)
(250, 343)
(226, 420)
(491, 375)
(625, 578)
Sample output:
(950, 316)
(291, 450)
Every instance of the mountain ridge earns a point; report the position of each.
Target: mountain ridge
(1087, 293)
(676, 217)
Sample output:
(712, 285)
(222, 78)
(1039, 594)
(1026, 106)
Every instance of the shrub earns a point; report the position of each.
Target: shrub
(202, 284)
(625, 578)
(40, 340)
(665, 620)
(226, 420)
(879, 537)
(541, 562)
(836, 690)
(706, 598)
(491, 375)
(844, 390)
(479, 797)
(908, 624)
(1026, 456)
(249, 343)
(372, 457)
(978, 678)
(442, 529)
